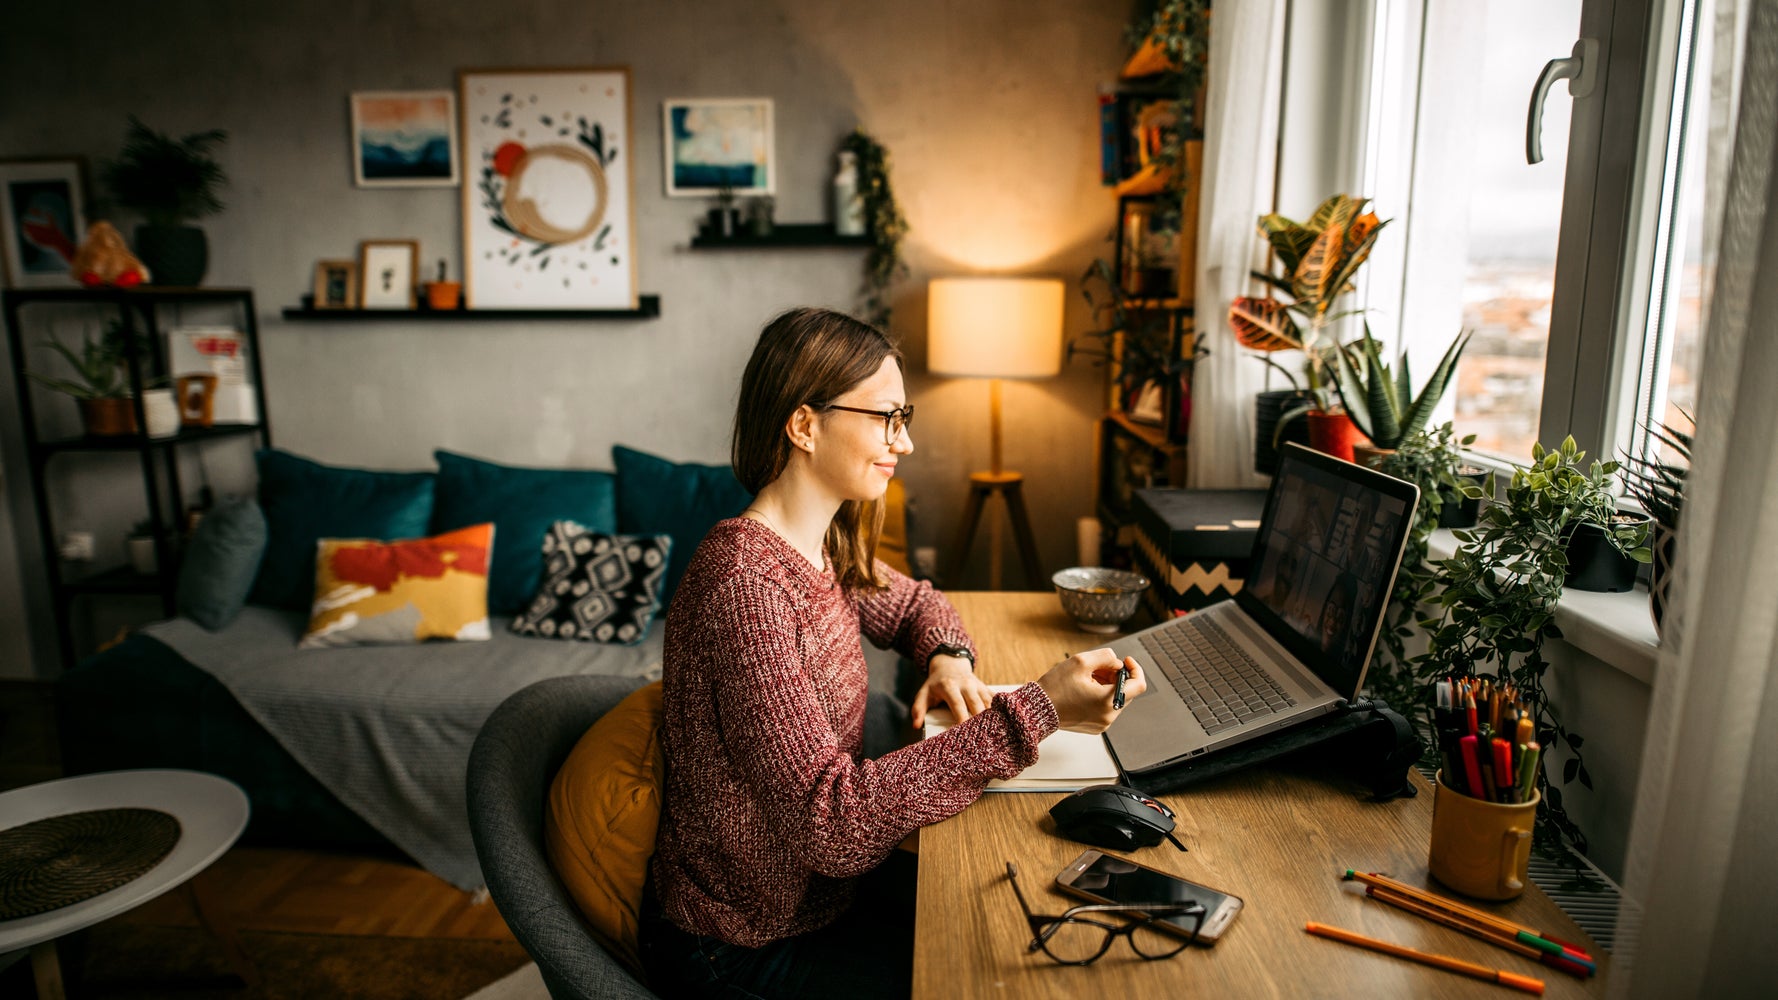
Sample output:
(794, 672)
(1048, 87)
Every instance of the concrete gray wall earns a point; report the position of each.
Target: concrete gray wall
(988, 109)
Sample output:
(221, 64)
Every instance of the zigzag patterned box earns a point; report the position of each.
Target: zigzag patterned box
(1194, 544)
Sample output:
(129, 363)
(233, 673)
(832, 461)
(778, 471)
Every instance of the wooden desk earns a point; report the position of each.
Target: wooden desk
(1275, 837)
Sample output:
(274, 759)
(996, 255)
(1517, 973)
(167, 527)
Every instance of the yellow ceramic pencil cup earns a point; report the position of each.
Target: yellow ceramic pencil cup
(1480, 849)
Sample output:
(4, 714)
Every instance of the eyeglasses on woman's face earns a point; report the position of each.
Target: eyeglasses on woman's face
(894, 421)
(1074, 938)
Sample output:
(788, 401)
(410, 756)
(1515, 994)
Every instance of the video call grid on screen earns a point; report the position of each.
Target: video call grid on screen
(1325, 565)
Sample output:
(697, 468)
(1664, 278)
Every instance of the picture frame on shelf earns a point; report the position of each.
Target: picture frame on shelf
(387, 272)
(336, 284)
(42, 220)
(404, 138)
(548, 201)
(715, 144)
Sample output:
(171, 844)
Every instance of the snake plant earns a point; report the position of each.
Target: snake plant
(1383, 404)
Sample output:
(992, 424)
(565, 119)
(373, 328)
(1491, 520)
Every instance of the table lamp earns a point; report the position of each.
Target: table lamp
(996, 328)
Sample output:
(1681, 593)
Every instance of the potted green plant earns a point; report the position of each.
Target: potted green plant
(883, 222)
(1316, 261)
(1149, 350)
(171, 182)
(1497, 605)
(1381, 403)
(101, 387)
(1659, 486)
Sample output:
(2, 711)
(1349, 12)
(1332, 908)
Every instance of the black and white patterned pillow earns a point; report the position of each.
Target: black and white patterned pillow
(596, 587)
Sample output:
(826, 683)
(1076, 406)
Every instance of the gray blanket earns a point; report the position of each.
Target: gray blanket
(387, 729)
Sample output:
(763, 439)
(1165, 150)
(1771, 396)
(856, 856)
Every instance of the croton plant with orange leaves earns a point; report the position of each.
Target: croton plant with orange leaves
(1315, 262)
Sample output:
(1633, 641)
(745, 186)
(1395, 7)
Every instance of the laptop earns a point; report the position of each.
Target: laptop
(1295, 641)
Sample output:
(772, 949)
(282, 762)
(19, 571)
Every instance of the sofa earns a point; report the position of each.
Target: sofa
(365, 746)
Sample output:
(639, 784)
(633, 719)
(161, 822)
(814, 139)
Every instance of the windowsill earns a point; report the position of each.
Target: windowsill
(1615, 628)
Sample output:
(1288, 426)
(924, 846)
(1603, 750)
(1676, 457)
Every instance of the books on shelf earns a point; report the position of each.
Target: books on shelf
(1066, 761)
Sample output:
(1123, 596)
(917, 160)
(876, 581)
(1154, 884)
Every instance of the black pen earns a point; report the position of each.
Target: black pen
(1117, 697)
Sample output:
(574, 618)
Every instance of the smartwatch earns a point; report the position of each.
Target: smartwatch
(950, 649)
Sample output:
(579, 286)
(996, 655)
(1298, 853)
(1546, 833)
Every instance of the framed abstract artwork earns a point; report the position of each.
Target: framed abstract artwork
(42, 220)
(387, 272)
(712, 144)
(548, 211)
(404, 138)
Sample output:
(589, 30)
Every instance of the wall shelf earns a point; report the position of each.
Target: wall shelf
(647, 307)
(134, 442)
(787, 236)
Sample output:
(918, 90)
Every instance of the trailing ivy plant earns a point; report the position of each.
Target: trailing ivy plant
(1433, 461)
(882, 220)
(1180, 29)
(1148, 348)
(1498, 602)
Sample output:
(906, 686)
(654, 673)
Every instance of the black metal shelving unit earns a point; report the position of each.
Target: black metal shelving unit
(647, 307)
(138, 309)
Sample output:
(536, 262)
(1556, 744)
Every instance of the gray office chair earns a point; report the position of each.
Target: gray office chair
(516, 755)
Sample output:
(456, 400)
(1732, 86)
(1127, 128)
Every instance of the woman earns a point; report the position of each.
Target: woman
(771, 813)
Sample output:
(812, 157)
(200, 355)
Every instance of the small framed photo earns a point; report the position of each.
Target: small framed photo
(336, 284)
(717, 143)
(404, 138)
(386, 273)
(42, 220)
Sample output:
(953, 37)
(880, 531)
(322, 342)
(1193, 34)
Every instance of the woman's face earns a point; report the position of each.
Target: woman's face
(850, 455)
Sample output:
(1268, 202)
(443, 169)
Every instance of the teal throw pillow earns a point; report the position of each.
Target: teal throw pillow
(306, 501)
(522, 503)
(684, 500)
(220, 563)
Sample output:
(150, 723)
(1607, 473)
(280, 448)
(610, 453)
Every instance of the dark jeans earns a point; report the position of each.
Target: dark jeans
(868, 953)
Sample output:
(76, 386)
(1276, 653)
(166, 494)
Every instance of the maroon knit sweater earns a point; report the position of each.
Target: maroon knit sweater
(769, 811)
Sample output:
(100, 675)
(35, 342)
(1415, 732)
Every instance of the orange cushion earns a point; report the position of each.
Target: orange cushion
(406, 591)
(603, 813)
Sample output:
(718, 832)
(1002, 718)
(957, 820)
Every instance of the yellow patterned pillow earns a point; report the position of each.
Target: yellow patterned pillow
(396, 592)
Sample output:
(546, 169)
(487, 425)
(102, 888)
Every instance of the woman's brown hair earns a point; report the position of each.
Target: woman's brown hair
(810, 357)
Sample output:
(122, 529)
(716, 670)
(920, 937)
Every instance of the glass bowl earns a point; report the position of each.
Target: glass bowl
(1099, 599)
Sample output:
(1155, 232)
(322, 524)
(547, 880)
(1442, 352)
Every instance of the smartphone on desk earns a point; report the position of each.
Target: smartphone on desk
(1099, 877)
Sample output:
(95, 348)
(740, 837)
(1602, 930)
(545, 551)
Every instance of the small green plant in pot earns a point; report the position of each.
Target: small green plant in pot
(171, 182)
(101, 386)
(1659, 486)
(1382, 403)
(1498, 603)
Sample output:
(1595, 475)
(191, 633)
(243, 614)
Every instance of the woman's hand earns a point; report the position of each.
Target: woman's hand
(950, 680)
(1081, 688)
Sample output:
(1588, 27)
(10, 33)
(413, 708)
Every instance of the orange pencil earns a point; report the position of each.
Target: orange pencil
(1452, 906)
(1451, 920)
(1445, 962)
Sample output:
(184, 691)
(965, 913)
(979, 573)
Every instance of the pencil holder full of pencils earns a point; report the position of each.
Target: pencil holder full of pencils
(1481, 848)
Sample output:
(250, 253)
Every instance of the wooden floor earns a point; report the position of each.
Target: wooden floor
(268, 889)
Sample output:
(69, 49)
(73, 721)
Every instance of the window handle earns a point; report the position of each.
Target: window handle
(1578, 70)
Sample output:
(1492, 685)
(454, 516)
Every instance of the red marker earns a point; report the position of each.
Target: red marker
(1503, 767)
(1472, 769)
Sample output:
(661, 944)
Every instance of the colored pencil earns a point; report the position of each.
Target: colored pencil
(1468, 912)
(1449, 964)
(1497, 938)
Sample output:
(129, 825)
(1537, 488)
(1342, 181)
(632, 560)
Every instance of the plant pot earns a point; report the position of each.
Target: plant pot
(1333, 434)
(112, 417)
(1660, 573)
(142, 558)
(1459, 511)
(1268, 407)
(1369, 455)
(175, 255)
(1594, 563)
(443, 296)
(161, 412)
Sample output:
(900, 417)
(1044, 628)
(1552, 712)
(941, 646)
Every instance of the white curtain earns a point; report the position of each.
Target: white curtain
(1240, 139)
(1701, 874)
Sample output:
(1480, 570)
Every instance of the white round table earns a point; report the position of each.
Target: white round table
(212, 812)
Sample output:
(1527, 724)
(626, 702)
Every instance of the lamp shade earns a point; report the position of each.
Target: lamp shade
(995, 327)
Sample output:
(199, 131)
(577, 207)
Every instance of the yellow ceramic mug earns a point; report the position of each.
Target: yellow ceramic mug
(1480, 848)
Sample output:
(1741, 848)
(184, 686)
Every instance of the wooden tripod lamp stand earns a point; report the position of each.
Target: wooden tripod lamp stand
(996, 328)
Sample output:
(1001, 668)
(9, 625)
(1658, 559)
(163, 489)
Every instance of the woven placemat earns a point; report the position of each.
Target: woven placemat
(56, 862)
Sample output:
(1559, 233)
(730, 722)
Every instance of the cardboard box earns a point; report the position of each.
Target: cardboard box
(1194, 545)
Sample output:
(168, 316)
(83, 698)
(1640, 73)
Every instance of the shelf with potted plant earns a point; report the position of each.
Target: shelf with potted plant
(647, 307)
(123, 366)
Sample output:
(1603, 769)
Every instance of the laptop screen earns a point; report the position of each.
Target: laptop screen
(1324, 562)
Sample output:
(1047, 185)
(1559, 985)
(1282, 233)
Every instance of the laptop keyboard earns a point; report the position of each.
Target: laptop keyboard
(1220, 683)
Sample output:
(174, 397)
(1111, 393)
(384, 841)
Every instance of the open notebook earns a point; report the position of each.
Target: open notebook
(1065, 761)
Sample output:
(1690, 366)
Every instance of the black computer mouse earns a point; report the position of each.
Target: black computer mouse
(1113, 816)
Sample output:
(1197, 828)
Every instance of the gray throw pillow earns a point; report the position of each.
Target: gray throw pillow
(221, 562)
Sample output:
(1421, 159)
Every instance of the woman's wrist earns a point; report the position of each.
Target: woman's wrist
(950, 651)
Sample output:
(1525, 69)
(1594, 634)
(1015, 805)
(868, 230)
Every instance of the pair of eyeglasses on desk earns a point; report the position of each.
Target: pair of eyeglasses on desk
(1075, 938)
